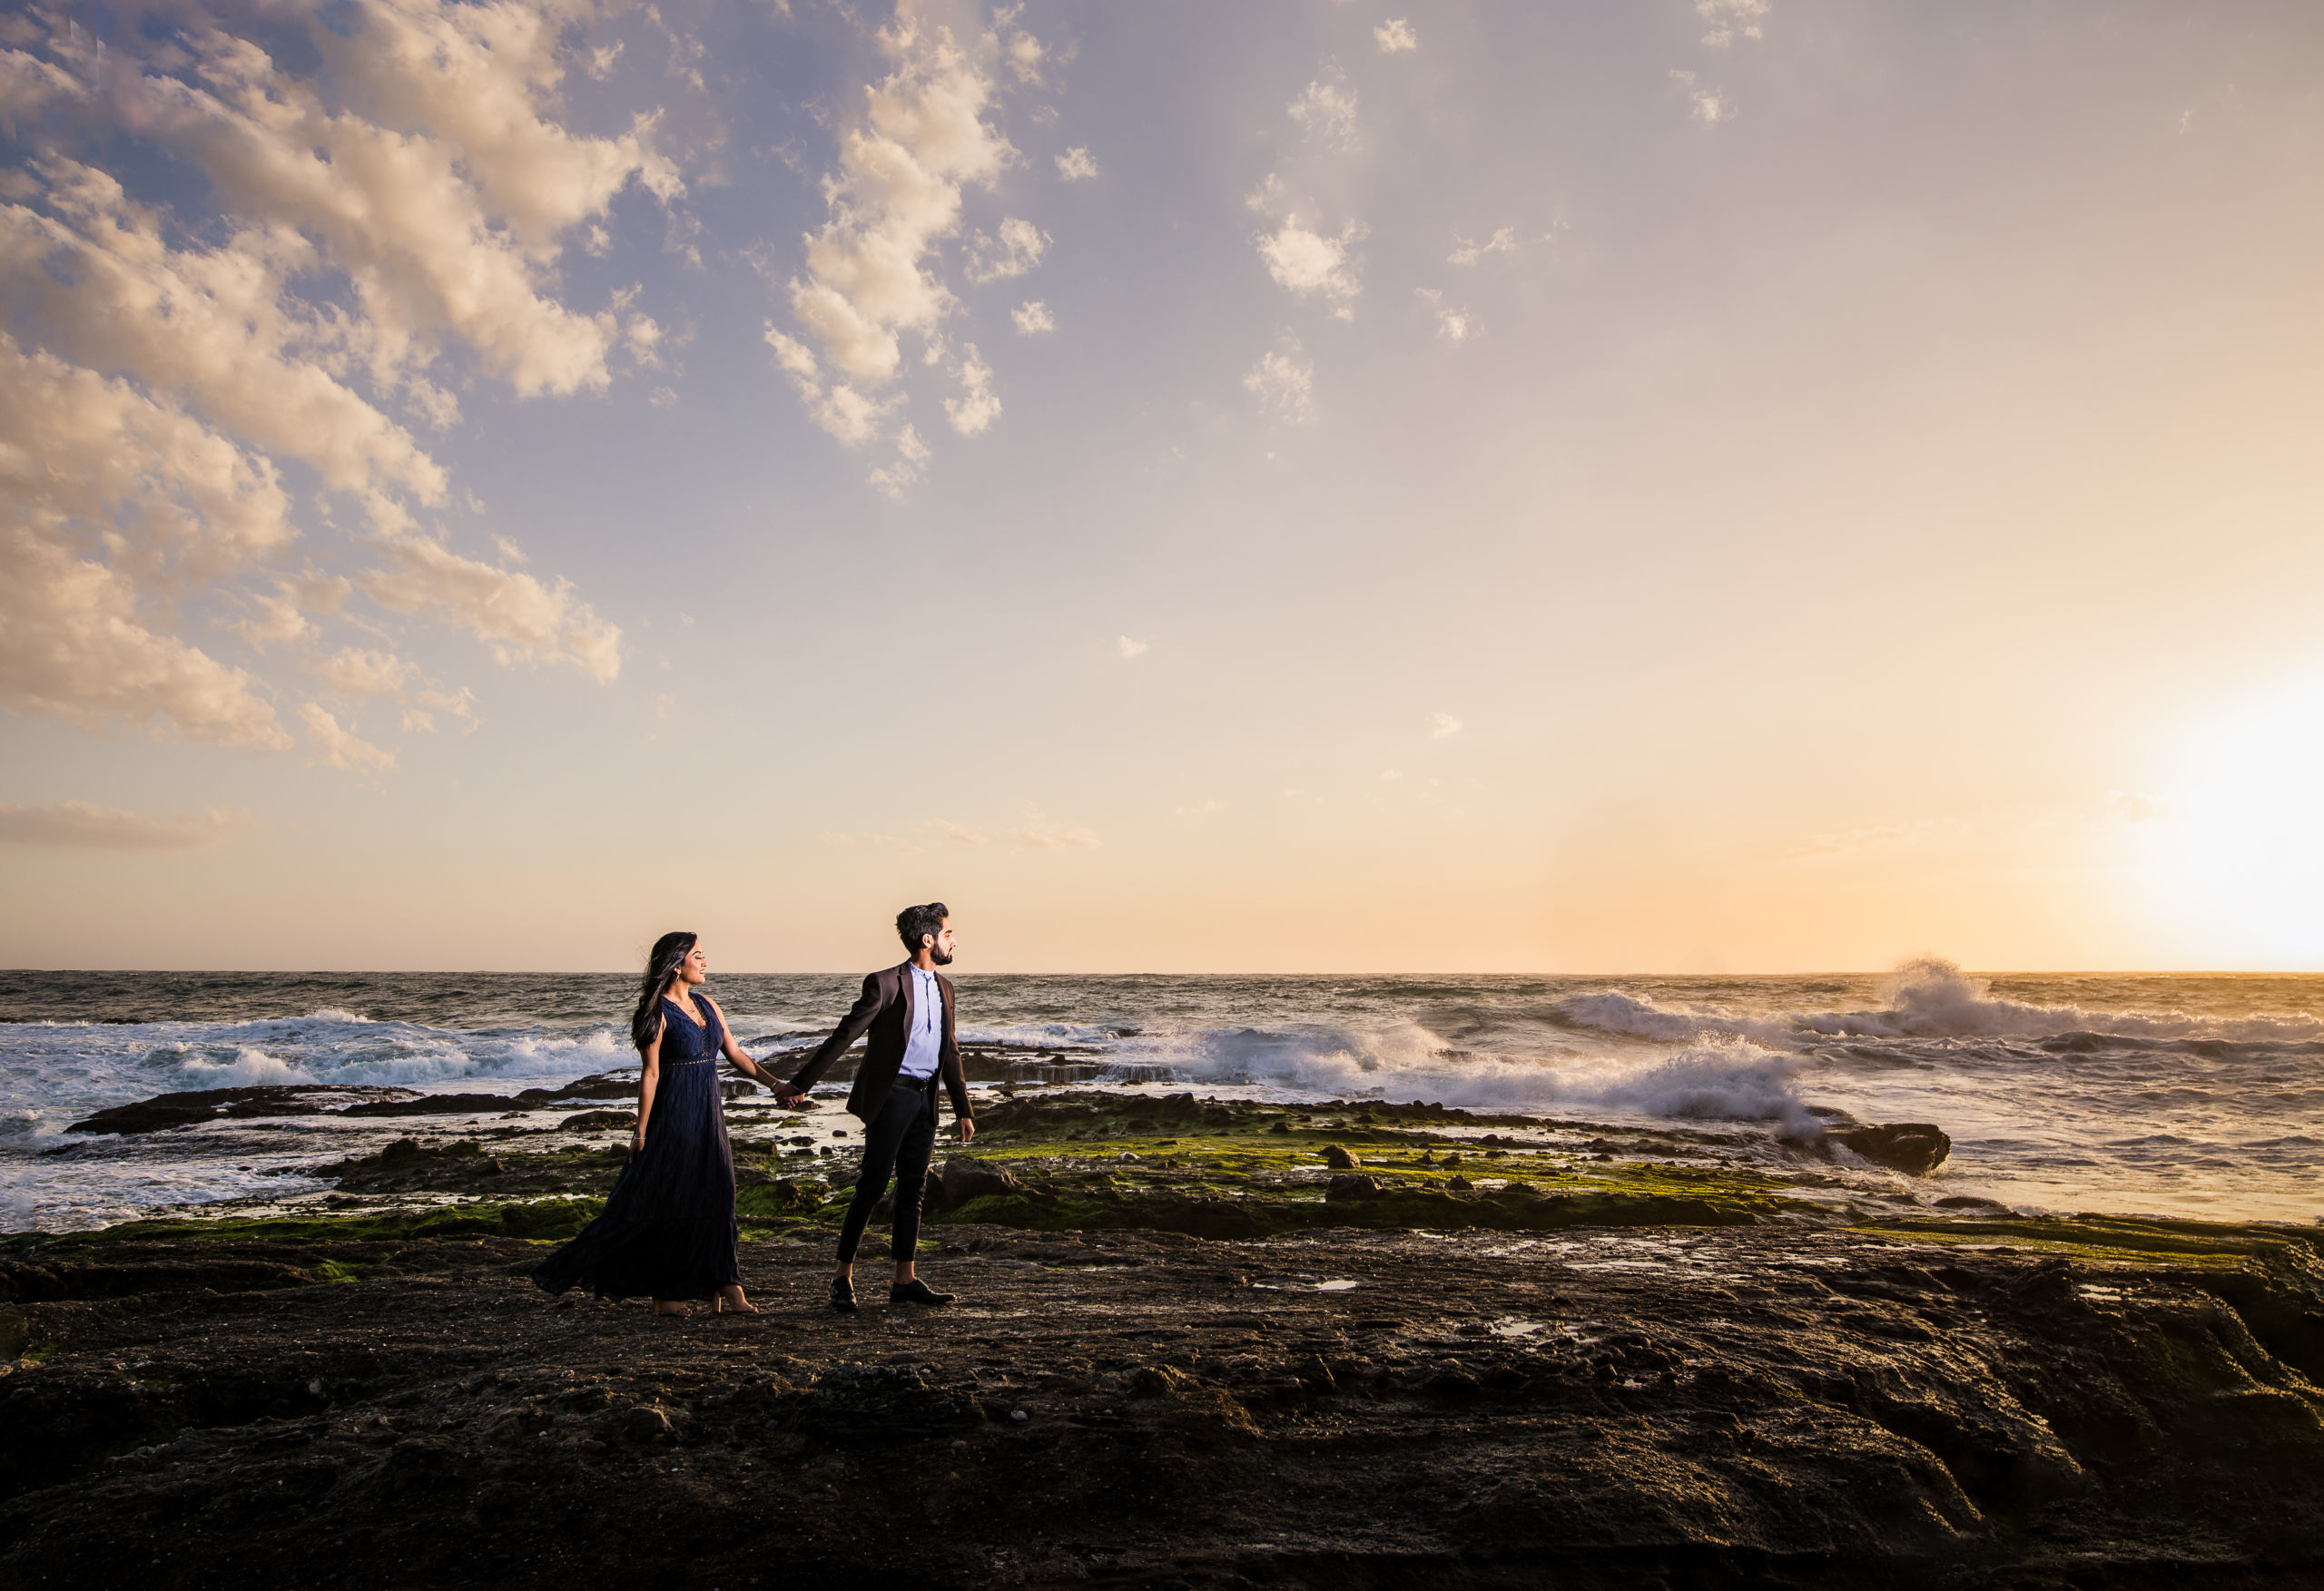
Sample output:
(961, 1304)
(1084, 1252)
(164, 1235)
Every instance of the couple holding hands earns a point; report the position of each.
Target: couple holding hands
(667, 1231)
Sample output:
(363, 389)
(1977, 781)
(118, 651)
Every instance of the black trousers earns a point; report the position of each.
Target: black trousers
(898, 1143)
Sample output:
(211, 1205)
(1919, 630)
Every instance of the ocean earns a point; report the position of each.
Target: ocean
(2169, 1094)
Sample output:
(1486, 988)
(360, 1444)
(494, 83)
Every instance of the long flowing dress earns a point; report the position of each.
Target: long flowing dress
(667, 1231)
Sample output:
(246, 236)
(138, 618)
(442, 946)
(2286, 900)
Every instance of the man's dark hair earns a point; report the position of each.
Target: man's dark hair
(915, 920)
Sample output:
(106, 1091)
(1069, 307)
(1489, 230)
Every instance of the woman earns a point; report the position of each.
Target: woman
(667, 1231)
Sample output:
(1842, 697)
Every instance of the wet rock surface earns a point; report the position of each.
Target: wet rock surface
(1719, 1407)
(1191, 1350)
(1915, 1148)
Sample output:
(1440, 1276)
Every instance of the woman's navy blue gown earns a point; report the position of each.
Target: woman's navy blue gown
(668, 1229)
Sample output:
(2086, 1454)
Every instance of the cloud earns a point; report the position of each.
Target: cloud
(1731, 19)
(1308, 263)
(1325, 112)
(1024, 55)
(1395, 36)
(895, 479)
(357, 671)
(2133, 807)
(1453, 324)
(847, 414)
(519, 617)
(403, 199)
(79, 826)
(1464, 252)
(959, 834)
(1442, 726)
(898, 190)
(1207, 805)
(1015, 250)
(1283, 381)
(1033, 317)
(1130, 648)
(1076, 165)
(74, 647)
(1040, 832)
(288, 614)
(1705, 106)
(338, 747)
(977, 407)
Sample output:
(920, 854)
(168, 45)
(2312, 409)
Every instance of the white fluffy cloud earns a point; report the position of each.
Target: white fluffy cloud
(868, 275)
(977, 408)
(1731, 19)
(1325, 112)
(335, 746)
(363, 671)
(1077, 165)
(1705, 106)
(898, 189)
(1442, 726)
(1283, 381)
(520, 618)
(1464, 252)
(1314, 264)
(1395, 36)
(400, 202)
(896, 478)
(1130, 648)
(1017, 248)
(80, 826)
(1033, 317)
(1453, 323)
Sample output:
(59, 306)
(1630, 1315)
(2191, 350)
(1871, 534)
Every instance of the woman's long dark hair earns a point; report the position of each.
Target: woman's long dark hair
(660, 966)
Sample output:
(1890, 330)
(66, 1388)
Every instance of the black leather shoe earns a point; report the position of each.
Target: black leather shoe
(918, 1291)
(842, 1295)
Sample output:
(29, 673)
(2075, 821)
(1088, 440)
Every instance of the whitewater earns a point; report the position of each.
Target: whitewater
(2178, 1095)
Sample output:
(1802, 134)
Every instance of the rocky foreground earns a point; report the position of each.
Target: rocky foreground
(1198, 1344)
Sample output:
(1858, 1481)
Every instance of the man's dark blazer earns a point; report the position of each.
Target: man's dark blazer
(884, 1009)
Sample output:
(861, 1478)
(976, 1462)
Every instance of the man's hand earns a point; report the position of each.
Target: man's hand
(790, 1098)
(967, 1129)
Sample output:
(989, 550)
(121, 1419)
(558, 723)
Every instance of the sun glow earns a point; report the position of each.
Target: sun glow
(2245, 833)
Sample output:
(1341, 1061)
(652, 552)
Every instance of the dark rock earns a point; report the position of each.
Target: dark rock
(1971, 1202)
(1152, 1380)
(598, 1120)
(963, 1179)
(1457, 1182)
(1915, 1148)
(432, 1105)
(1341, 1159)
(1352, 1187)
(885, 1403)
(166, 1111)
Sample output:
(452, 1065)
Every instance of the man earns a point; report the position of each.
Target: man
(907, 1012)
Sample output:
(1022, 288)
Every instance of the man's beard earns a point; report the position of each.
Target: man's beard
(942, 957)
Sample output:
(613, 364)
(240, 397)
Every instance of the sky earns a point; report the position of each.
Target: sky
(1692, 485)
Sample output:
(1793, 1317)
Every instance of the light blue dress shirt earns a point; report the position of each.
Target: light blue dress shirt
(927, 1040)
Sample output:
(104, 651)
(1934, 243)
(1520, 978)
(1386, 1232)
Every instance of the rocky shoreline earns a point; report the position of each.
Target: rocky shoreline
(1201, 1342)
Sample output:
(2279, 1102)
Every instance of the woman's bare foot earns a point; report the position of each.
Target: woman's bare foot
(731, 1302)
(671, 1306)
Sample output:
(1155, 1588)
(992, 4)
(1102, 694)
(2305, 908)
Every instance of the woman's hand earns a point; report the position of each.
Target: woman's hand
(637, 1142)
